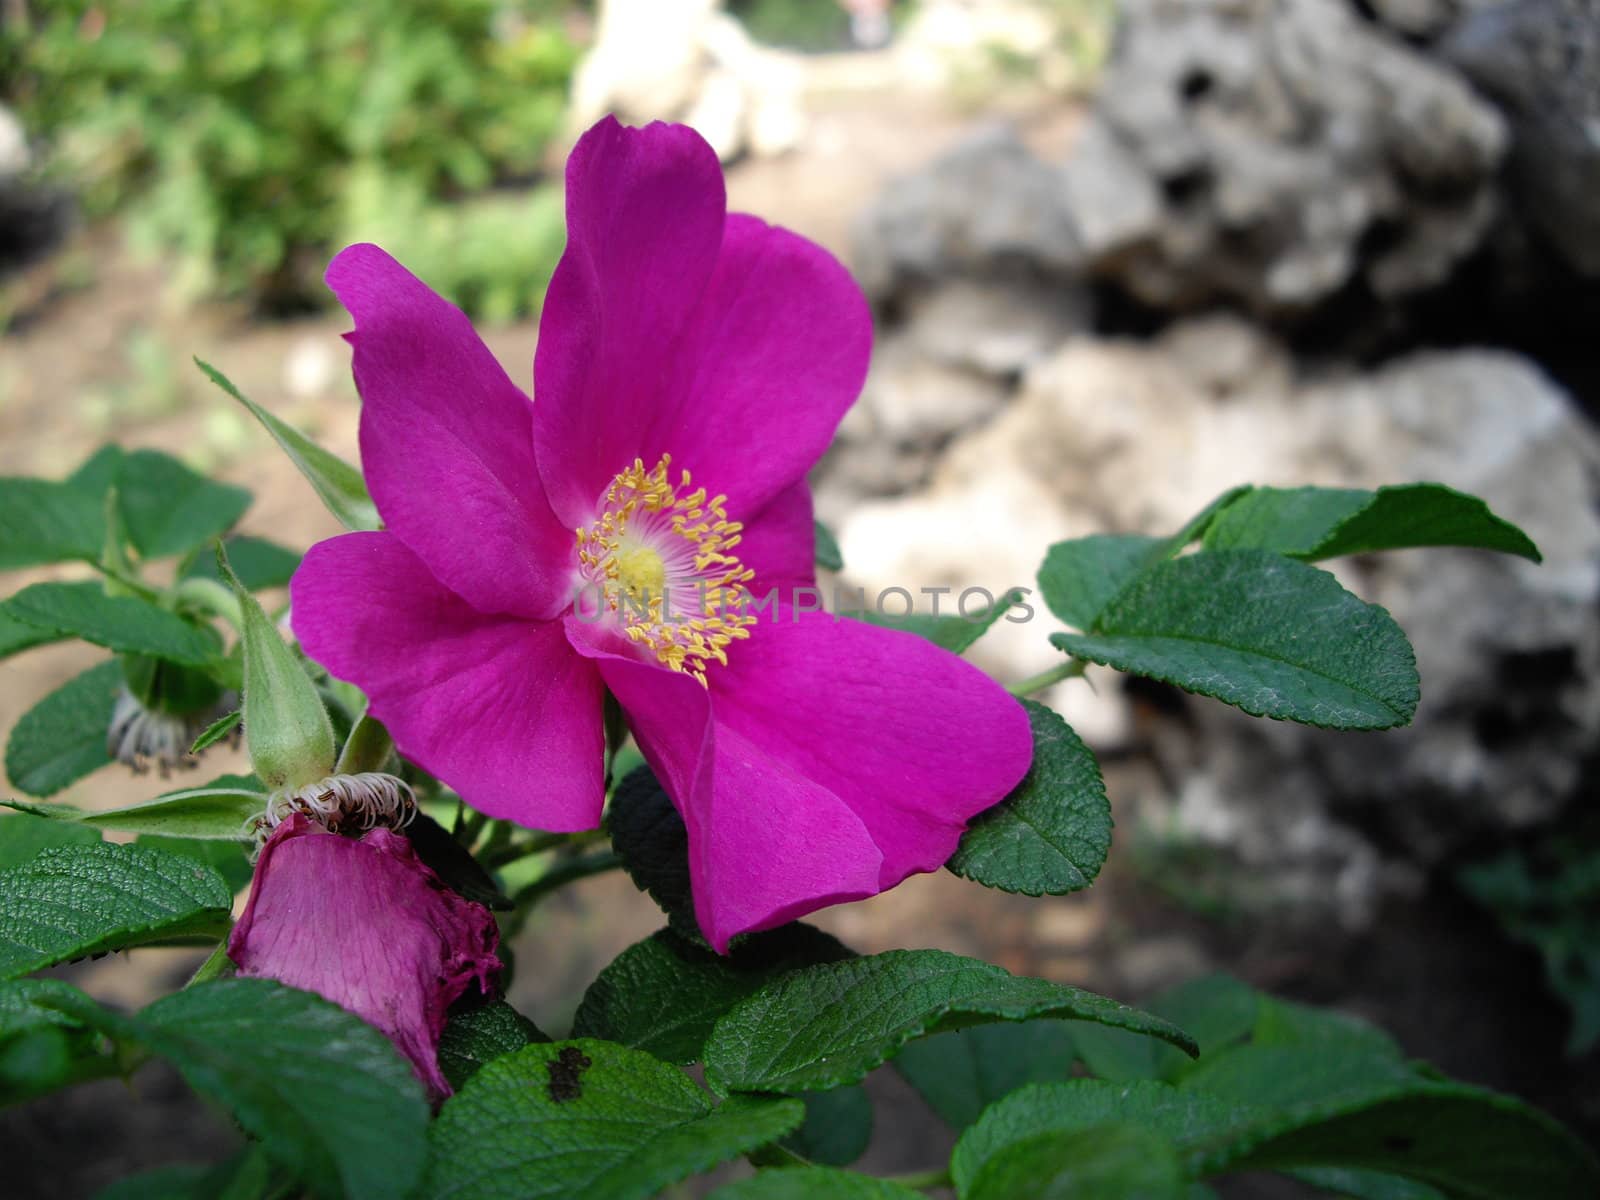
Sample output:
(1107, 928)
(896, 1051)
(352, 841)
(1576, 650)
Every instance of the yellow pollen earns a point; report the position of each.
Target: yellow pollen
(661, 555)
(641, 572)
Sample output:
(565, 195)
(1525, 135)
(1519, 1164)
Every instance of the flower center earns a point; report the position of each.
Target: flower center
(660, 556)
(640, 572)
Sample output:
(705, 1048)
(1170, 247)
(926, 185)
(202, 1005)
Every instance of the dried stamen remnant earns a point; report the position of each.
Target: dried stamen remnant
(343, 804)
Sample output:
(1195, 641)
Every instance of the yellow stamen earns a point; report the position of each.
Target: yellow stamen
(655, 545)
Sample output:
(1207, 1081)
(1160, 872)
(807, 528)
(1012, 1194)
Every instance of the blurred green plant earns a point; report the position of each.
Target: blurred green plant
(1547, 896)
(491, 254)
(798, 24)
(252, 136)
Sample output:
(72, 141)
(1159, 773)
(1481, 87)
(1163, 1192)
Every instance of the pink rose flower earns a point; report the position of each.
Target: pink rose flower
(364, 924)
(692, 366)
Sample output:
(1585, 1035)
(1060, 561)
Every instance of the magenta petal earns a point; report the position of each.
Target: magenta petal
(780, 543)
(766, 845)
(776, 355)
(499, 708)
(644, 220)
(734, 348)
(911, 738)
(367, 926)
(439, 419)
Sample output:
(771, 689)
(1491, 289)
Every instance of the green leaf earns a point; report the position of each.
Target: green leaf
(329, 1097)
(17, 636)
(837, 1127)
(46, 522)
(63, 737)
(1290, 521)
(477, 1036)
(1329, 1106)
(1182, 1119)
(1112, 1162)
(23, 836)
(1051, 835)
(664, 994)
(82, 900)
(1272, 636)
(27, 1004)
(217, 810)
(1282, 1023)
(217, 730)
(44, 1047)
(1313, 523)
(960, 1074)
(814, 1183)
(587, 1118)
(828, 1025)
(1200, 524)
(1079, 578)
(953, 633)
(1216, 1010)
(231, 860)
(649, 835)
(123, 623)
(97, 474)
(168, 509)
(1365, 1185)
(1326, 1099)
(288, 731)
(258, 563)
(827, 553)
(245, 1176)
(336, 482)
(40, 1061)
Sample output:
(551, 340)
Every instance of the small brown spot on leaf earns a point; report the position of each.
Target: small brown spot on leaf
(566, 1074)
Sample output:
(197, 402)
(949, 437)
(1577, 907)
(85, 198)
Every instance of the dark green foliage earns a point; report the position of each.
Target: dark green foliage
(1051, 835)
(587, 1118)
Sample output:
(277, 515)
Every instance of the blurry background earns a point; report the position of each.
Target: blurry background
(1122, 257)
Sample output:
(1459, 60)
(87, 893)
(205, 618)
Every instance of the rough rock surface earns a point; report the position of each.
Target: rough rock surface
(686, 60)
(948, 366)
(986, 209)
(1118, 436)
(1296, 148)
(1270, 156)
(1540, 60)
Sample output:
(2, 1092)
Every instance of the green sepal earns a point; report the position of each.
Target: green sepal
(336, 482)
(287, 728)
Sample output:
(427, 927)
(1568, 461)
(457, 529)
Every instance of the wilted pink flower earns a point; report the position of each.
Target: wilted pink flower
(365, 924)
(692, 366)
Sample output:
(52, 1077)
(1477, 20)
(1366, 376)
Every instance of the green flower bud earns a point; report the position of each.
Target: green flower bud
(286, 727)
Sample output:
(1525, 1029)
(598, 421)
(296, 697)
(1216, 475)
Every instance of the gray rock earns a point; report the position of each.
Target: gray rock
(1540, 60)
(917, 401)
(987, 208)
(1294, 149)
(994, 328)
